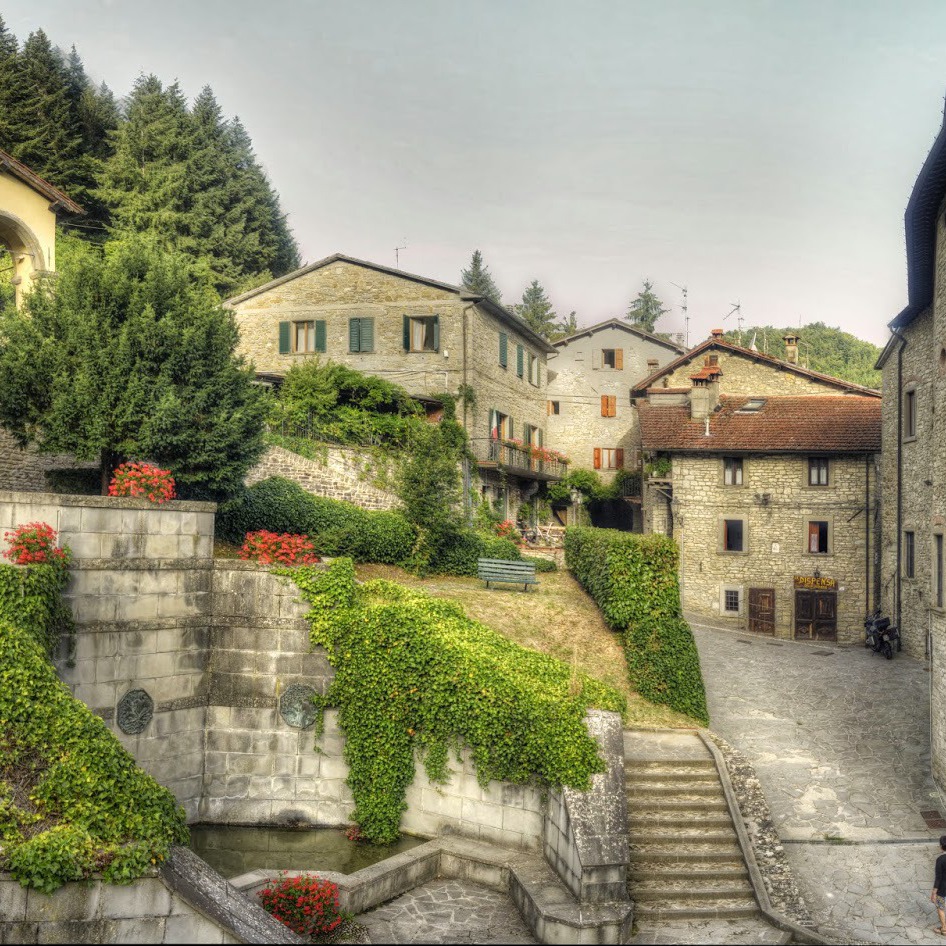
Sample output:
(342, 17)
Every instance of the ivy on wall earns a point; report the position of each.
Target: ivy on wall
(633, 578)
(415, 677)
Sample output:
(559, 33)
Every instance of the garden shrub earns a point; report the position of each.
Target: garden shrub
(541, 564)
(461, 551)
(90, 806)
(285, 549)
(32, 598)
(633, 578)
(335, 527)
(307, 904)
(74, 482)
(413, 674)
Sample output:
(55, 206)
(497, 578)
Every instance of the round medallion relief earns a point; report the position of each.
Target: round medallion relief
(135, 710)
(296, 706)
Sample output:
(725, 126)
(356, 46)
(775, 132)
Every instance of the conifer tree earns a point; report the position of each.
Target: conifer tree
(130, 356)
(645, 309)
(536, 310)
(9, 88)
(565, 328)
(478, 279)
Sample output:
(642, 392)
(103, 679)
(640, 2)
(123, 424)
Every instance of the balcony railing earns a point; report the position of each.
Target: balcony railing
(516, 460)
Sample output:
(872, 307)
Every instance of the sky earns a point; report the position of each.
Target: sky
(757, 153)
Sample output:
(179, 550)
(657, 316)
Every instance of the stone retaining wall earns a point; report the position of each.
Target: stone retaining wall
(26, 469)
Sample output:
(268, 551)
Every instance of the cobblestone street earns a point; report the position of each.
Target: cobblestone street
(839, 739)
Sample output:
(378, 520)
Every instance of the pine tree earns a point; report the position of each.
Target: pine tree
(536, 310)
(10, 89)
(132, 357)
(646, 308)
(478, 279)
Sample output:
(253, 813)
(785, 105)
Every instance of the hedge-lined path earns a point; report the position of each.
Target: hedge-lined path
(839, 739)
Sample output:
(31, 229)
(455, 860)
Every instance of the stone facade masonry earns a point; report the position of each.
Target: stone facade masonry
(26, 469)
(776, 505)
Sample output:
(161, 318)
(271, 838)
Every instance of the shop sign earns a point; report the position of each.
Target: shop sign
(811, 583)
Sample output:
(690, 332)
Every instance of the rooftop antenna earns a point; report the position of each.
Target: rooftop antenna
(686, 318)
(737, 308)
(397, 255)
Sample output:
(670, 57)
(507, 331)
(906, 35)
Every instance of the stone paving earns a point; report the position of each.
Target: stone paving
(447, 911)
(707, 931)
(839, 738)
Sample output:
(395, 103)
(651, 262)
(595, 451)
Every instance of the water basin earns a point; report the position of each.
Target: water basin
(232, 850)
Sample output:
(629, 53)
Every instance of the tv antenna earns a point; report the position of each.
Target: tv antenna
(737, 309)
(397, 255)
(686, 318)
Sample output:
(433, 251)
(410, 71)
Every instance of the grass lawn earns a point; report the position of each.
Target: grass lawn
(557, 618)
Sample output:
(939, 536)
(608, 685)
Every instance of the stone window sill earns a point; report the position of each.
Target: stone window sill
(731, 552)
(911, 439)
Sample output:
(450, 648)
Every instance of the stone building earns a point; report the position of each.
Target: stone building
(427, 336)
(591, 416)
(766, 475)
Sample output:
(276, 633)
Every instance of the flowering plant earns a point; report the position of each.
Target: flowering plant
(142, 479)
(544, 453)
(35, 544)
(307, 904)
(513, 442)
(506, 530)
(286, 549)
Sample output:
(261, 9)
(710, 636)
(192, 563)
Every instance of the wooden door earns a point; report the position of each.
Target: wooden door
(816, 615)
(762, 610)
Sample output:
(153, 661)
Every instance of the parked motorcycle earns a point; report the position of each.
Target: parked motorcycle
(881, 635)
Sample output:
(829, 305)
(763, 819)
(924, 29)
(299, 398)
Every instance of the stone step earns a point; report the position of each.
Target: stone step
(660, 852)
(649, 776)
(673, 765)
(682, 836)
(726, 888)
(692, 909)
(676, 819)
(680, 791)
(699, 873)
(666, 804)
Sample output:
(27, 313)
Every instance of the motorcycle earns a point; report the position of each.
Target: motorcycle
(881, 635)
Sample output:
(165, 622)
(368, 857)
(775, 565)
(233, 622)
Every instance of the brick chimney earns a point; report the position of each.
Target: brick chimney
(716, 333)
(791, 348)
(704, 395)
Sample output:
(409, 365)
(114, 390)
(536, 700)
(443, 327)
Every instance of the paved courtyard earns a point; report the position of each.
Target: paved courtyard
(839, 738)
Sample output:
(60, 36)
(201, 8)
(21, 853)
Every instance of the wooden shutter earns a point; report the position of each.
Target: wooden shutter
(604, 406)
(436, 333)
(354, 335)
(509, 429)
(541, 434)
(406, 333)
(367, 335)
(619, 359)
(596, 358)
(520, 360)
(597, 458)
(503, 350)
(613, 405)
(527, 434)
(320, 335)
(548, 407)
(285, 340)
(619, 458)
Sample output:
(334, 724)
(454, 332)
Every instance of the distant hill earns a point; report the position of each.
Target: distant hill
(822, 348)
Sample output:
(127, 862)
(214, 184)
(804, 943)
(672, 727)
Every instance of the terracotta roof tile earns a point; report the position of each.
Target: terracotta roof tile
(814, 424)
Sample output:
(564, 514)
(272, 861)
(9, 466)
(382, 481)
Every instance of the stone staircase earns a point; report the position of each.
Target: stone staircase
(686, 863)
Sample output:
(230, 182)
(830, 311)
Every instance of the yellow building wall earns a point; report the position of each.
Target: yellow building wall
(28, 230)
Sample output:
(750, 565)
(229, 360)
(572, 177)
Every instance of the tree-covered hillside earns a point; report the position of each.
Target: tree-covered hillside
(822, 348)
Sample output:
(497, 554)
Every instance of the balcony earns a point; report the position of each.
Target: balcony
(497, 455)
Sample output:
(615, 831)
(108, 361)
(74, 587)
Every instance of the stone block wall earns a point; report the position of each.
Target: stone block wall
(344, 473)
(26, 469)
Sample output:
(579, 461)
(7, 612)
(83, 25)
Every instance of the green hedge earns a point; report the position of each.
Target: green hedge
(460, 554)
(415, 676)
(335, 527)
(90, 807)
(633, 578)
(541, 564)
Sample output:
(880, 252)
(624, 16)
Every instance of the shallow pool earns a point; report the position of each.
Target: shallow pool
(236, 850)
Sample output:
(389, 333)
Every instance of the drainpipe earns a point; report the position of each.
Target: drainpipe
(867, 608)
(467, 475)
(903, 344)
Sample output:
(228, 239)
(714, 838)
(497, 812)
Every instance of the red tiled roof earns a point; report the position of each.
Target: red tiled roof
(668, 390)
(815, 424)
(706, 373)
(20, 170)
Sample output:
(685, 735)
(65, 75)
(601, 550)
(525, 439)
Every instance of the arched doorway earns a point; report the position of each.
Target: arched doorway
(21, 258)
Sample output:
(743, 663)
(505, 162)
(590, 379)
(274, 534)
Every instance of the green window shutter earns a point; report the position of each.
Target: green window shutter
(436, 333)
(526, 433)
(503, 349)
(519, 360)
(320, 335)
(406, 333)
(367, 335)
(354, 335)
(285, 342)
(511, 433)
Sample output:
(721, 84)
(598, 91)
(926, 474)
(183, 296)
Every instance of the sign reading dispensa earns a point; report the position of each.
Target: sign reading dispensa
(816, 584)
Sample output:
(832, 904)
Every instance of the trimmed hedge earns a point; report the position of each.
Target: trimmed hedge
(335, 527)
(541, 564)
(633, 578)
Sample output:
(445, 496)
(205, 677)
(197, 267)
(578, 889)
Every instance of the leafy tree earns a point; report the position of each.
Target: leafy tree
(822, 348)
(129, 355)
(645, 309)
(536, 310)
(565, 328)
(478, 279)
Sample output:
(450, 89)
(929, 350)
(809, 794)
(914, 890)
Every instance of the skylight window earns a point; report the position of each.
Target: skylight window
(752, 406)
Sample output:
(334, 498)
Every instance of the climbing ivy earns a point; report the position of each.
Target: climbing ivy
(633, 578)
(415, 677)
(72, 800)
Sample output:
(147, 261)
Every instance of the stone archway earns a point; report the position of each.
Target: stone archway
(24, 249)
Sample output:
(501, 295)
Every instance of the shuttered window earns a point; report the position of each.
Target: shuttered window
(421, 333)
(818, 537)
(285, 338)
(503, 350)
(361, 335)
(609, 405)
(520, 360)
(553, 407)
(609, 458)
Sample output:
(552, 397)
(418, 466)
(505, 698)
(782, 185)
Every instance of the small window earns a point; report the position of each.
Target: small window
(817, 471)
(422, 333)
(533, 369)
(360, 335)
(553, 407)
(731, 603)
(732, 471)
(608, 357)
(909, 414)
(818, 537)
(752, 406)
(608, 458)
(734, 539)
(909, 554)
(303, 336)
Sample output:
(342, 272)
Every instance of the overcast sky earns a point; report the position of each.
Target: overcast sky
(755, 152)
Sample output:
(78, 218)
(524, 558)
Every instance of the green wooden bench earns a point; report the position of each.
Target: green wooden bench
(515, 573)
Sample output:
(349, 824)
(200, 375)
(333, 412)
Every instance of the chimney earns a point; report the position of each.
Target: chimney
(704, 395)
(791, 348)
(716, 333)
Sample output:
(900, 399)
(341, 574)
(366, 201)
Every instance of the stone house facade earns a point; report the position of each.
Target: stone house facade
(766, 474)
(427, 336)
(591, 417)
